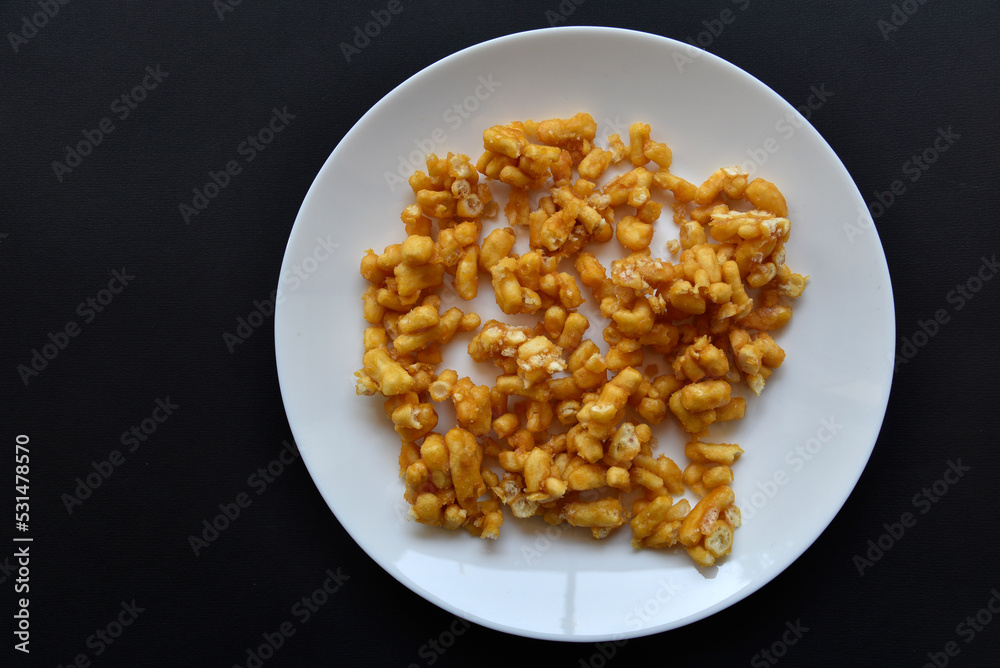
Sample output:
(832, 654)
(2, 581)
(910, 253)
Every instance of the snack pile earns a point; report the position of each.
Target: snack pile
(565, 432)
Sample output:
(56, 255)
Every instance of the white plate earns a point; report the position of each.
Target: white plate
(807, 439)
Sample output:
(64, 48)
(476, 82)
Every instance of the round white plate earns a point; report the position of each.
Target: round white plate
(807, 439)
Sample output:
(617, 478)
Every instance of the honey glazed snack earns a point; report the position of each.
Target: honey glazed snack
(565, 432)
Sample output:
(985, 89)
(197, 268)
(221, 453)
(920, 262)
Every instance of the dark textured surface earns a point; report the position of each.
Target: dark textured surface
(160, 338)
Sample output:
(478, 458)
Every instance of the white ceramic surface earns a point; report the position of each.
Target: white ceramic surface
(807, 439)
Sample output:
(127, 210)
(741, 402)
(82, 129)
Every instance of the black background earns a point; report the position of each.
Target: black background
(162, 335)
